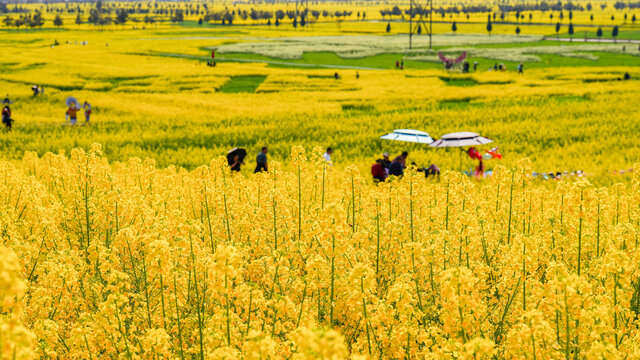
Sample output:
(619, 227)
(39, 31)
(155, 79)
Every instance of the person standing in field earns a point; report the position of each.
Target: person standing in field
(261, 160)
(385, 161)
(396, 169)
(402, 159)
(327, 156)
(235, 163)
(6, 117)
(72, 114)
(378, 172)
(87, 112)
(521, 68)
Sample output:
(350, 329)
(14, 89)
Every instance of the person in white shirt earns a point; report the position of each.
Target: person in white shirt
(327, 155)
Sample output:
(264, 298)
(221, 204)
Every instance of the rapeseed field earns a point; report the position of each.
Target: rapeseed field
(128, 237)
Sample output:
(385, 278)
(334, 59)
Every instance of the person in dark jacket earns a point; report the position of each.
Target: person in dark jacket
(261, 160)
(396, 169)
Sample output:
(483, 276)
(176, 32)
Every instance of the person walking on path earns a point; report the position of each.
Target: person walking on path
(6, 117)
(261, 160)
(72, 113)
(327, 156)
(235, 163)
(87, 112)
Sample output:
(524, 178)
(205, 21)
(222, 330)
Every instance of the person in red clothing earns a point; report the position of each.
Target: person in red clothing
(72, 114)
(378, 172)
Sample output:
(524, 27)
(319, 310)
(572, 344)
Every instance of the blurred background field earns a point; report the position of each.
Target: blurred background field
(153, 95)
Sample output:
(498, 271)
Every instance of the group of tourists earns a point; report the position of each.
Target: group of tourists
(383, 168)
(72, 113)
(37, 90)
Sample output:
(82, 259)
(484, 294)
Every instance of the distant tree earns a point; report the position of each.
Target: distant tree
(295, 22)
(591, 17)
(280, 15)
(502, 16)
(122, 16)
(94, 16)
(419, 29)
(599, 33)
(454, 27)
(78, 19)
(200, 21)
(589, 7)
(489, 27)
(613, 18)
(388, 27)
(7, 21)
(277, 23)
(517, 30)
(633, 19)
(614, 33)
(19, 22)
(603, 6)
(303, 22)
(530, 17)
(570, 15)
(316, 14)
(269, 22)
(178, 16)
(570, 31)
(557, 29)
(36, 21)
(57, 21)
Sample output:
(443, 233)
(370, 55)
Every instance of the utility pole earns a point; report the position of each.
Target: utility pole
(430, 21)
(410, 23)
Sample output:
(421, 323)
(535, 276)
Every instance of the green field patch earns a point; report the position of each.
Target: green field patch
(496, 82)
(242, 84)
(358, 107)
(459, 81)
(129, 80)
(320, 76)
(570, 98)
(459, 103)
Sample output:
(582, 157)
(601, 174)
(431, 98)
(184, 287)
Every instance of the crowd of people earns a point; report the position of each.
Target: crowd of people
(71, 115)
(383, 168)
